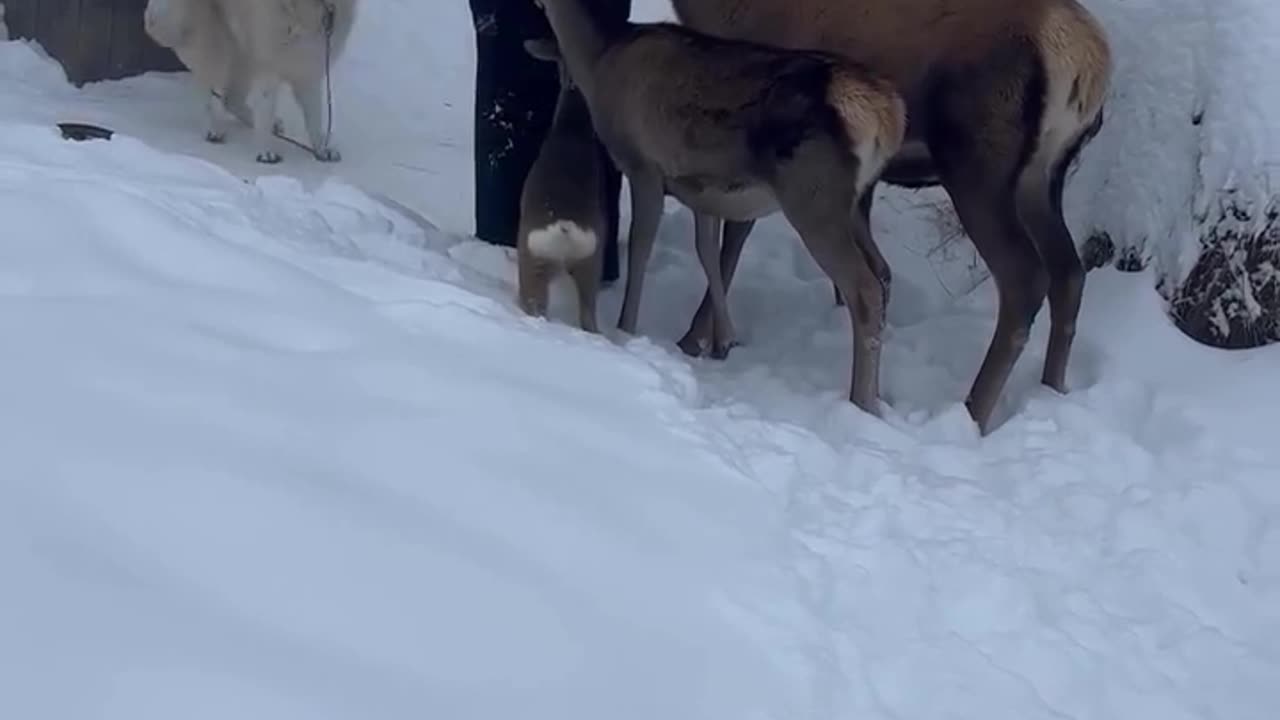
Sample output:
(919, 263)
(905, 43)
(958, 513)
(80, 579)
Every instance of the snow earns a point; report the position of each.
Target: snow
(1191, 75)
(277, 443)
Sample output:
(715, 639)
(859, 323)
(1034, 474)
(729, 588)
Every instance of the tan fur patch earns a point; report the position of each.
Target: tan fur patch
(874, 114)
(1077, 55)
(1077, 61)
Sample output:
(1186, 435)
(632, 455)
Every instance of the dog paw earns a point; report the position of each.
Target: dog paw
(328, 155)
(269, 157)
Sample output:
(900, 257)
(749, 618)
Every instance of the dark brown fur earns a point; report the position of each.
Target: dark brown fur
(1001, 96)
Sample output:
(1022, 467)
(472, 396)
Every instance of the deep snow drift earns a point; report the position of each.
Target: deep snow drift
(274, 449)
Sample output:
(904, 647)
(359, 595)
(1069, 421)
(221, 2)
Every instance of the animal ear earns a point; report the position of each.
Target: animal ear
(543, 49)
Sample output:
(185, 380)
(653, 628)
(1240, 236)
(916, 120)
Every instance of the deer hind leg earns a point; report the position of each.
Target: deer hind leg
(984, 122)
(817, 192)
(1021, 282)
(1040, 207)
(734, 239)
(878, 264)
(534, 280)
(647, 194)
(586, 279)
(984, 203)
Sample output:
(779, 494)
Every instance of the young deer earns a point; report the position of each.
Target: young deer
(738, 130)
(1002, 95)
(562, 211)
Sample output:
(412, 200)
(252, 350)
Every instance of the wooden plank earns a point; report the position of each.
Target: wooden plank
(58, 30)
(20, 16)
(96, 20)
(127, 39)
(92, 39)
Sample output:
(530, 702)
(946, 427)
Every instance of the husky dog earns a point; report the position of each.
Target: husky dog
(244, 51)
(195, 31)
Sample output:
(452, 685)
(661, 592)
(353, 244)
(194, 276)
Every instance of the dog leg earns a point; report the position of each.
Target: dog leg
(236, 91)
(312, 97)
(264, 103)
(215, 112)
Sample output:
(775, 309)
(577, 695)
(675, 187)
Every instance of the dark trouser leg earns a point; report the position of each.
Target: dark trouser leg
(514, 101)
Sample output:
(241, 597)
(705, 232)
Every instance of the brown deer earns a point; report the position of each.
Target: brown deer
(562, 205)
(1001, 95)
(736, 131)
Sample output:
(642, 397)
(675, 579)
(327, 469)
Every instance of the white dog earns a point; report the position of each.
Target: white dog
(245, 50)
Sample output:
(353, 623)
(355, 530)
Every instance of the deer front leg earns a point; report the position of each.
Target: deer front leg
(734, 240)
(707, 237)
(647, 193)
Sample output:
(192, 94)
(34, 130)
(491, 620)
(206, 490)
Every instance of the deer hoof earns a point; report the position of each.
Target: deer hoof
(1057, 383)
(328, 155)
(269, 157)
(691, 344)
(720, 350)
(216, 137)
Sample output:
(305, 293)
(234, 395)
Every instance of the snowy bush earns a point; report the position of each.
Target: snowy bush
(1180, 177)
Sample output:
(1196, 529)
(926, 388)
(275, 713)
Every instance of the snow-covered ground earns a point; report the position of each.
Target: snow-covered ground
(283, 447)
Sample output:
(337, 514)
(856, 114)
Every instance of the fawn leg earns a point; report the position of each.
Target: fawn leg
(586, 279)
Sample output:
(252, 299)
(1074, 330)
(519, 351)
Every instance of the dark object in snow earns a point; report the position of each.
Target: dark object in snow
(84, 131)
(1099, 250)
(515, 97)
(92, 39)
(1231, 298)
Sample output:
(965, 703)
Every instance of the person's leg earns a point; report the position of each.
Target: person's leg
(514, 101)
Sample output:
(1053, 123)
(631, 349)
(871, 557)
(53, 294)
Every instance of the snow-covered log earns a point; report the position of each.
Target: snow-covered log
(1183, 176)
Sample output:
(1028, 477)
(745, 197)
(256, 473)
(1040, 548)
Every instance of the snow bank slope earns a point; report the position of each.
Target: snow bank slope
(250, 471)
(269, 453)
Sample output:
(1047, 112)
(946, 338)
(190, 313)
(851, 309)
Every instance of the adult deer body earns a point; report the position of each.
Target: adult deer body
(1002, 95)
(739, 130)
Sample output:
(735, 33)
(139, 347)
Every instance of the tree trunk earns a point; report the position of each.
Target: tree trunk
(515, 98)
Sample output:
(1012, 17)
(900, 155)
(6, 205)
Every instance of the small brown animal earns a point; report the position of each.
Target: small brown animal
(738, 130)
(562, 205)
(1002, 95)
